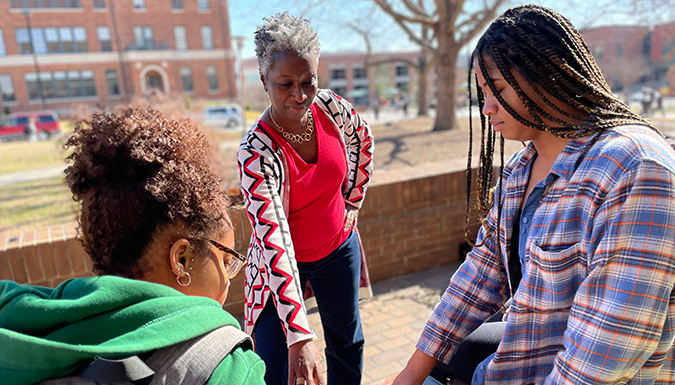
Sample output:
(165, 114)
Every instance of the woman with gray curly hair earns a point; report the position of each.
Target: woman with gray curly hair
(312, 142)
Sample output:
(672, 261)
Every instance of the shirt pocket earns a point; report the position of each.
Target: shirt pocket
(553, 276)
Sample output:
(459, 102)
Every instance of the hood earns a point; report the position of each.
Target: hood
(51, 332)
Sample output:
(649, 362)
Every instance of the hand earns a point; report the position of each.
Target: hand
(304, 361)
(389, 380)
(351, 217)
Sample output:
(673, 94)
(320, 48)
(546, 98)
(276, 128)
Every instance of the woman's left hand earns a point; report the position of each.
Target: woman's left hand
(351, 217)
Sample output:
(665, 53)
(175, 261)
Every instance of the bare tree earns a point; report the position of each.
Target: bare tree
(422, 65)
(442, 32)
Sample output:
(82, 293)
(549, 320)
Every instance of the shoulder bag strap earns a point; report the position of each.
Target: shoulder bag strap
(193, 361)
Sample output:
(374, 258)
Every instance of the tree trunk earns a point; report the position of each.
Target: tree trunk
(423, 84)
(445, 94)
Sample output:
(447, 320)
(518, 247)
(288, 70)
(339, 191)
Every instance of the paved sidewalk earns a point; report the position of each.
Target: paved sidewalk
(394, 318)
(32, 175)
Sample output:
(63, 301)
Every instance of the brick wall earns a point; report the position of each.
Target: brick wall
(406, 226)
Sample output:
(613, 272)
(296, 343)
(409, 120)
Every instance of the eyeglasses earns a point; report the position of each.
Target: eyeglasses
(238, 260)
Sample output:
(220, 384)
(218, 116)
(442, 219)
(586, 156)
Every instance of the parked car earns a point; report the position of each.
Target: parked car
(221, 116)
(13, 126)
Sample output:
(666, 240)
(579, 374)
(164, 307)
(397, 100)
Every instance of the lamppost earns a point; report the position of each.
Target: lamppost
(41, 92)
(239, 75)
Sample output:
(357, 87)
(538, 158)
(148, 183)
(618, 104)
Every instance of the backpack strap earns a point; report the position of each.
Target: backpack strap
(130, 370)
(193, 361)
(187, 363)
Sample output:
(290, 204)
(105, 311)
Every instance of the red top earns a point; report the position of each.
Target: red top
(317, 207)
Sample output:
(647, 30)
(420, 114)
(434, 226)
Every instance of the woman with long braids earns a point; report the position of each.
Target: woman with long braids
(304, 170)
(579, 233)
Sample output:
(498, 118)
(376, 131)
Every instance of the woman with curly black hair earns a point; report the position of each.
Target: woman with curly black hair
(579, 233)
(154, 221)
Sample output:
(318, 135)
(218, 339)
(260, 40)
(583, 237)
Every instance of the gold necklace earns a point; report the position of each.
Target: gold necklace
(296, 138)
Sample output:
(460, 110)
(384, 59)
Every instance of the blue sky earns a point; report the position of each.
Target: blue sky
(330, 19)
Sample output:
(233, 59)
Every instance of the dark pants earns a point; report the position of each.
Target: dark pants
(475, 348)
(335, 281)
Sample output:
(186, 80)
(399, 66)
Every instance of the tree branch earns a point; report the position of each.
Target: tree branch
(401, 21)
(400, 18)
(417, 9)
(489, 15)
(454, 11)
(366, 39)
(312, 5)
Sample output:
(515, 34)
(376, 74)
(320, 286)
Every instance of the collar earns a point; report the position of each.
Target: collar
(572, 155)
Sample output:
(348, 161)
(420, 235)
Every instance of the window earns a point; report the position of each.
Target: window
(88, 83)
(338, 73)
(144, 38)
(80, 39)
(32, 86)
(66, 36)
(38, 40)
(401, 70)
(48, 89)
(23, 41)
(33, 4)
(104, 39)
(203, 5)
(599, 51)
(619, 49)
(212, 77)
(177, 5)
(52, 40)
(74, 83)
(360, 73)
(7, 88)
(186, 79)
(99, 4)
(60, 84)
(113, 83)
(3, 50)
(403, 87)
(207, 37)
(181, 38)
(139, 5)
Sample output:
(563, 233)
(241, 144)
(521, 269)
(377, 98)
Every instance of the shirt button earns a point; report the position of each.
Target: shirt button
(525, 220)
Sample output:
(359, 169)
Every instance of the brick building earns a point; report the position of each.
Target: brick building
(346, 75)
(54, 53)
(632, 56)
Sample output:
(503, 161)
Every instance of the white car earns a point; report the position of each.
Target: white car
(222, 116)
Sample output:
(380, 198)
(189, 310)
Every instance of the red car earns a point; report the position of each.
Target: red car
(14, 124)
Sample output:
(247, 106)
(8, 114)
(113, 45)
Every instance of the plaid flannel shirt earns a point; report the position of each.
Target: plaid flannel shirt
(596, 303)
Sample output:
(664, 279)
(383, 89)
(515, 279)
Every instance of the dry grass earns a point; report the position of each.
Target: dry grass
(25, 156)
(18, 156)
(32, 204)
(408, 147)
(400, 149)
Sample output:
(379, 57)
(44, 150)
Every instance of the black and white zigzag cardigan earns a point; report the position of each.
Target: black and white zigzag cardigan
(272, 268)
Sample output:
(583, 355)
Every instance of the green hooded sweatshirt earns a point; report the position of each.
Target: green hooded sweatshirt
(53, 332)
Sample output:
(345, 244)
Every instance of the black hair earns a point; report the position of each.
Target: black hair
(549, 53)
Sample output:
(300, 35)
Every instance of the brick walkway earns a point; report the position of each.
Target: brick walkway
(393, 320)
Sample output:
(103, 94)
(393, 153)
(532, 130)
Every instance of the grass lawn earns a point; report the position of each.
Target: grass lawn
(20, 155)
(24, 156)
(33, 204)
